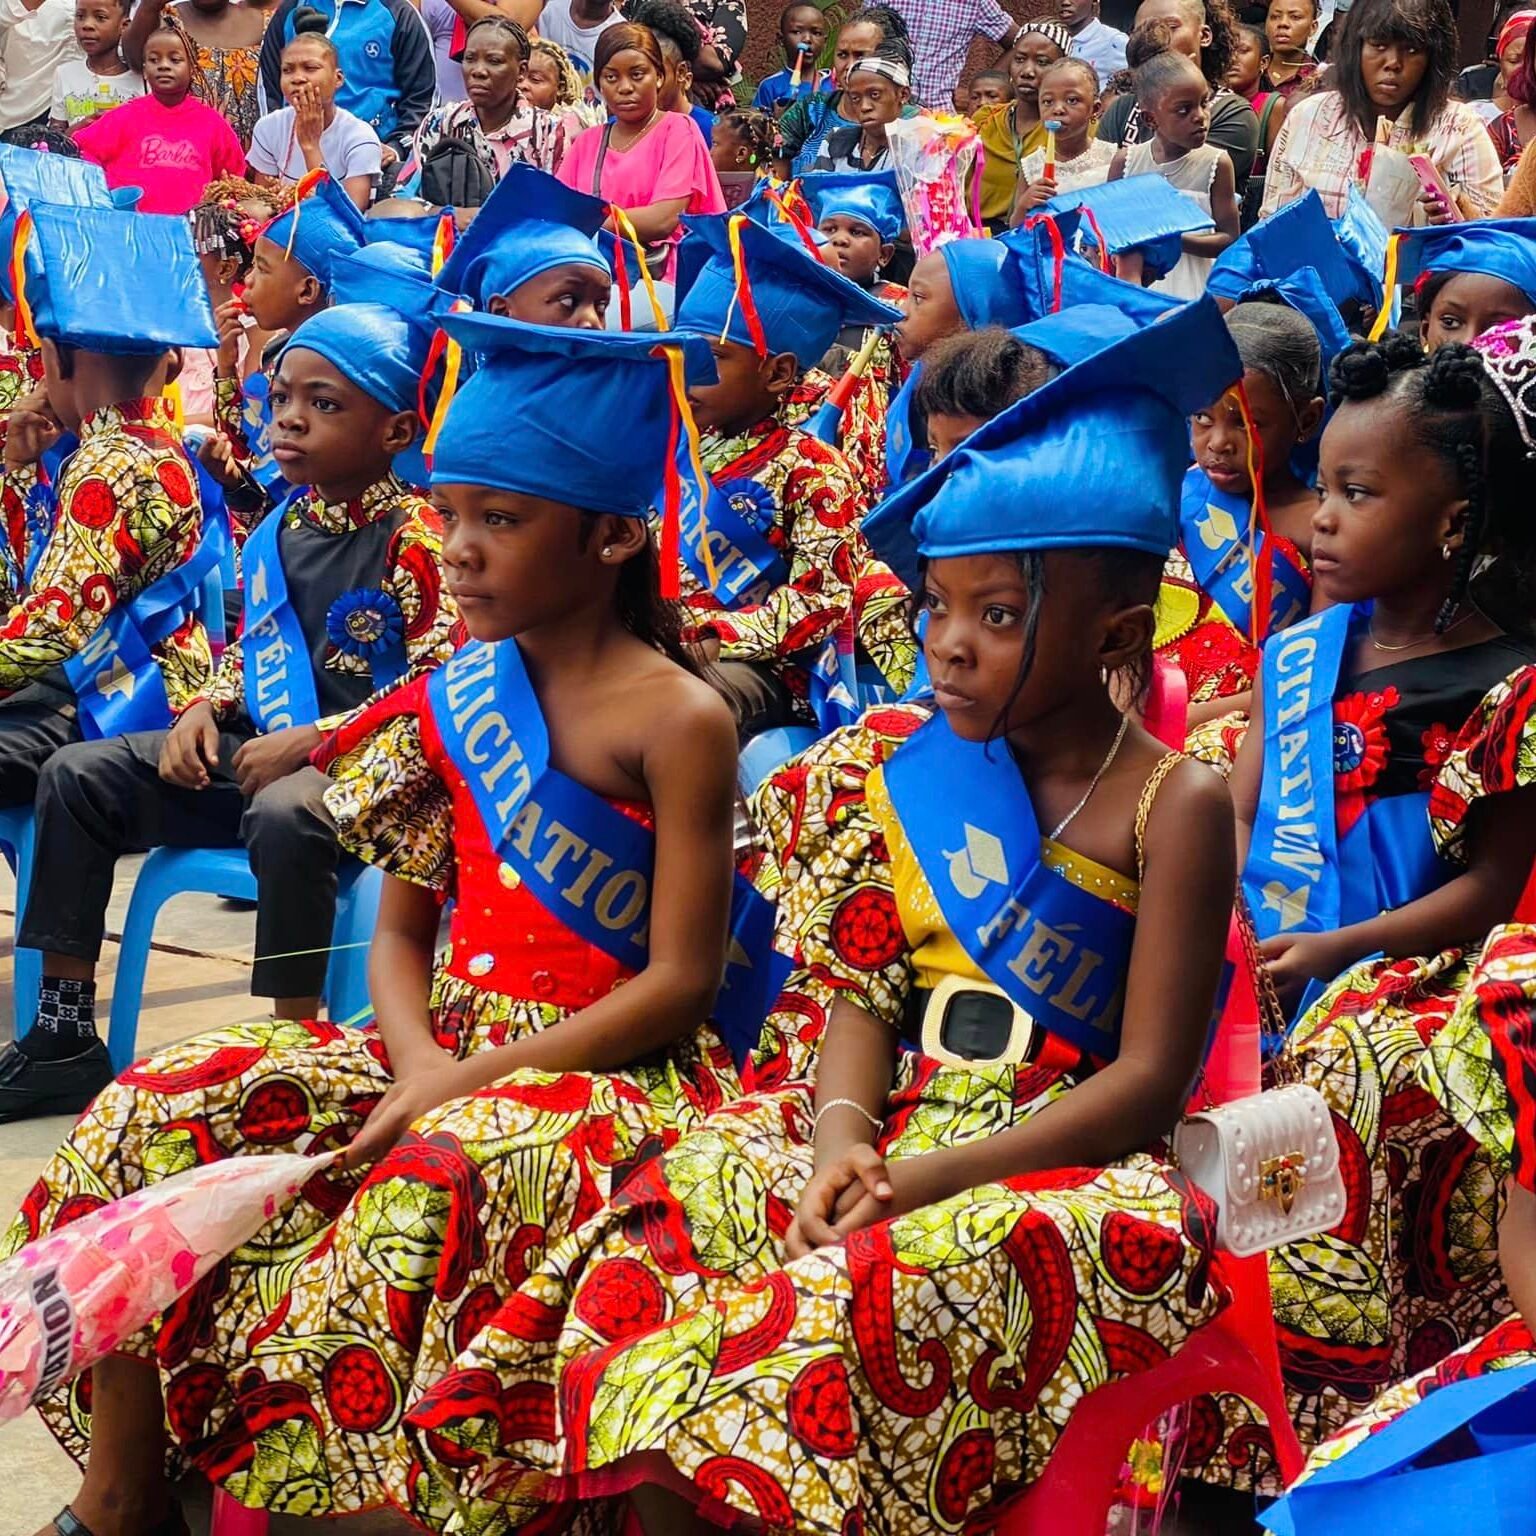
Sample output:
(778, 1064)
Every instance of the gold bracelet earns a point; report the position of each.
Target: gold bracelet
(843, 1104)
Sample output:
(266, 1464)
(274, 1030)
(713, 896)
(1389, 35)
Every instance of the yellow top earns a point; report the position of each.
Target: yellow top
(1000, 169)
(936, 952)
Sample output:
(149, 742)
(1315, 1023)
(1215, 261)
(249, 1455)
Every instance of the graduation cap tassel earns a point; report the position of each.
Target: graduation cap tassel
(1388, 289)
(305, 186)
(1106, 262)
(443, 241)
(1262, 571)
(453, 359)
(658, 314)
(795, 218)
(827, 421)
(743, 294)
(25, 330)
(682, 427)
(1058, 255)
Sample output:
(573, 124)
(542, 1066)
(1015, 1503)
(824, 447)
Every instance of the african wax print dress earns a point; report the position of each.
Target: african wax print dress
(1411, 1272)
(333, 1316)
(1482, 1069)
(1218, 659)
(898, 1384)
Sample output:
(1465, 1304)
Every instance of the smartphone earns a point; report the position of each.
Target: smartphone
(1431, 181)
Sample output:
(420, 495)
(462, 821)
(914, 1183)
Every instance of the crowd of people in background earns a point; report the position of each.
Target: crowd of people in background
(857, 731)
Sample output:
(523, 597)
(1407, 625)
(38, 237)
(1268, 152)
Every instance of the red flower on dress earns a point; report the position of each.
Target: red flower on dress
(621, 1299)
(93, 503)
(1360, 749)
(359, 1389)
(866, 930)
(1438, 742)
(821, 1409)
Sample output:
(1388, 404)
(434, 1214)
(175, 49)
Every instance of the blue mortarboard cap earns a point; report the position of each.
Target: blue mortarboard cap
(1138, 213)
(370, 345)
(800, 301)
(871, 197)
(1073, 335)
(1305, 291)
(116, 282)
(28, 176)
(1501, 248)
(395, 276)
(985, 281)
(530, 223)
(319, 228)
(1297, 235)
(417, 232)
(1039, 272)
(1093, 459)
(614, 383)
(1363, 239)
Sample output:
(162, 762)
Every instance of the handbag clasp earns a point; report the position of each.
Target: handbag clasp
(1282, 1178)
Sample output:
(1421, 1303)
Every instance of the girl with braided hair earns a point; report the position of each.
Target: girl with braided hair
(1384, 800)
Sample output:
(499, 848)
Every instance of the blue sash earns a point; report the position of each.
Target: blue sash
(747, 567)
(904, 459)
(1212, 528)
(256, 410)
(117, 681)
(1058, 952)
(1395, 1481)
(1301, 877)
(279, 671)
(587, 864)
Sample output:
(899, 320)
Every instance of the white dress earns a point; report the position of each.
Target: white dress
(1192, 174)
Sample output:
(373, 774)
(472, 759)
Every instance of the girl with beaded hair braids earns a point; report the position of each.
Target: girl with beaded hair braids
(1389, 825)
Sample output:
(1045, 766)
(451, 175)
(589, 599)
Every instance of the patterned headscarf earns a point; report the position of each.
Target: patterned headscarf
(1052, 31)
(1509, 357)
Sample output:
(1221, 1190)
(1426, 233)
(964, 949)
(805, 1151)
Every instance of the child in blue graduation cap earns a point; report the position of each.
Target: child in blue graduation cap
(775, 579)
(1206, 607)
(531, 253)
(860, 214)
(1468, 278)
(289, 281)
(1384, 803)
(342, 593)
(1043, 892)
(568, 780)
(107, 638)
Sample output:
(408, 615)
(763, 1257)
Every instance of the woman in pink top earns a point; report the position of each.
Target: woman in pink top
(652, 164)
(168, 143)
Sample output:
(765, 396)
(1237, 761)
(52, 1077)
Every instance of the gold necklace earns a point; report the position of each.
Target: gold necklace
(1408, 645)
(1067, 820)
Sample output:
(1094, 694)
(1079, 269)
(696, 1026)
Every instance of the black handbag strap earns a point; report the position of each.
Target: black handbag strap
(602, 155)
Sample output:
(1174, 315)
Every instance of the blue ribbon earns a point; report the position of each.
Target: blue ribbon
(256, 409)
(1058, 952)
(587, 864)
(1212, 528)
(904, 459)
(1380, 1484)
(117, 681)
(280, 686)
(747, 567)
(1301, 877)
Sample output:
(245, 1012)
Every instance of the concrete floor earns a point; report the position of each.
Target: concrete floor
(198, 979)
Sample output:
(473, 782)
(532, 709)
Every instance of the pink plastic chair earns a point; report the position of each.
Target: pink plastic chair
(232, 1519)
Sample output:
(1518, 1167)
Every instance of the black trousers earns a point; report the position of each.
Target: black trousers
(34, 724)
(99, 799)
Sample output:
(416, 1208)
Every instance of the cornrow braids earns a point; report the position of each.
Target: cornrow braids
(568, 93)
(758, 131)
(1458, 413)
(222, 227)
(506, 24)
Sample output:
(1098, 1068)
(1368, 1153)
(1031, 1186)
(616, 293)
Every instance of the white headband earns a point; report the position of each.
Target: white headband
(893, 69)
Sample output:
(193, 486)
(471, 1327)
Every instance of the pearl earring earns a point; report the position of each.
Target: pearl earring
(1445, 551)
(1104, 675)
(607, 550)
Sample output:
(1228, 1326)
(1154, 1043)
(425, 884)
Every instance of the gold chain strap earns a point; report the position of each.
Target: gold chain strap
(1144, 806)
(1271, 1015)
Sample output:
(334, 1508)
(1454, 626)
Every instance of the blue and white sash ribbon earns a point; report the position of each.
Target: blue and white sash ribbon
(588, 865)
(117, 681)
(1301, 877)
(1213, 529)
(747, 567)
(280, 688)
(1055, 950)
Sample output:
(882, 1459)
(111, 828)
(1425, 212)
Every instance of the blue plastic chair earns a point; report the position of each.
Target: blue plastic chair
(17, 840)
(169, 872)
(769, 751)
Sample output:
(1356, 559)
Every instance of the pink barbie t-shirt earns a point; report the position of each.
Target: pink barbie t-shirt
(172, 153)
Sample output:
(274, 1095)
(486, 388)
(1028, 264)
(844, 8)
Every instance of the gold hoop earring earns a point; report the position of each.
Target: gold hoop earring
(1445, 551)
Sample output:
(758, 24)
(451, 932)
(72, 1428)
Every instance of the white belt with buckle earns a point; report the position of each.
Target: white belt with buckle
(1021, 1031)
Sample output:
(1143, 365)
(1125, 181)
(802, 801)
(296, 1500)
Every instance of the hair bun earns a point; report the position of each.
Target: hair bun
(307, 19)
(1148, 41)
(1364, 369)
(1454, 377)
